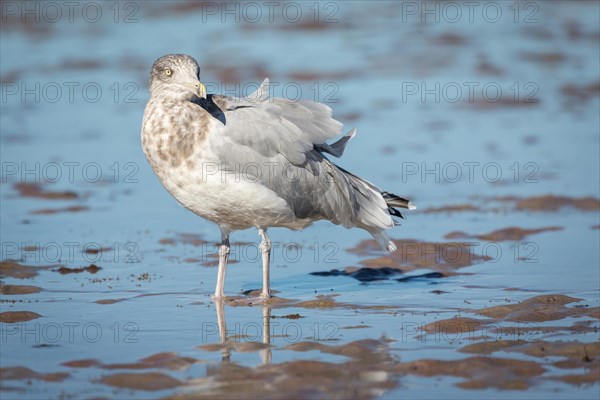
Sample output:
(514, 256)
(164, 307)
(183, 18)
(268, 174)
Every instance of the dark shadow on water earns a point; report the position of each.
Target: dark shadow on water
(366, 274)
(422, 277)
(363, 274)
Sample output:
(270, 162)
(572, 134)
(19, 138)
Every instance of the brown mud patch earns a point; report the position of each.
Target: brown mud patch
(184, 238)
(589, 377)
(388, 150)
(149, 381)
(29, 26)
(451, 39)
(99, 250)
(489, 347)
(109, 301)
(581, 353)
(81, 363)
(575, 355)
(210, 256)
(13, 269)
(455, 325)
(487, 68)
(35, 190)
(530, 140)
(538, 309)
(143, 277)
(351, 116)
(443, 258)
(184, 7)
(538, 32)
(513, 233)
(84, 64)
(52, 211)
(92, 269)
(551, 203)
(316, 76)
(166, 360)
(308, 25)
(22, 373)
(528, 315)
(575, 31)
(328, 301)
(11, 290)
(10, 76)
(251, 73)
(366, 349)
(214, 260)
(355, 327)
(502, 103)
(451, 209)
(10, 317)
(574, 95)
(551, 58)
(535, 330)
(479, 372)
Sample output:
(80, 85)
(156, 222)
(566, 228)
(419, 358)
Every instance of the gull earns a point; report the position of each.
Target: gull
(254, 161)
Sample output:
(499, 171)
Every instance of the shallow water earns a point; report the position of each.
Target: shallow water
(473, 165)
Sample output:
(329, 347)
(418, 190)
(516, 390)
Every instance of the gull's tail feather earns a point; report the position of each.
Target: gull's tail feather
(373, 207)
(359, 203)
(393, 200)
(384, 240)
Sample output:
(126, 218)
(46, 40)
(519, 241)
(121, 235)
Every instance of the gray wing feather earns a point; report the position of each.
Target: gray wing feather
(289, 138)
(337, 149)
(261, 94)
(277, 126)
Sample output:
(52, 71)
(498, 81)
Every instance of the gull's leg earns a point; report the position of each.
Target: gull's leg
(265, 248)
(223, 257)
(220, 308)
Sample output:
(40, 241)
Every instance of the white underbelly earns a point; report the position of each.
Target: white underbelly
(229, 201)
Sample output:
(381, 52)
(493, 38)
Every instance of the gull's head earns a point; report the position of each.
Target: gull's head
(176, 76)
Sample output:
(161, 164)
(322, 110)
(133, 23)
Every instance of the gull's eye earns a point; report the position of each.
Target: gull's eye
(168, 72)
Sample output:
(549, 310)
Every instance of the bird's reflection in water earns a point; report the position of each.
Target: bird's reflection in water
(364, 368)
(265, 352)
(226, 351)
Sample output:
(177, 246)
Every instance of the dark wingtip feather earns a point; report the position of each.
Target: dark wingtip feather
(395, 212)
